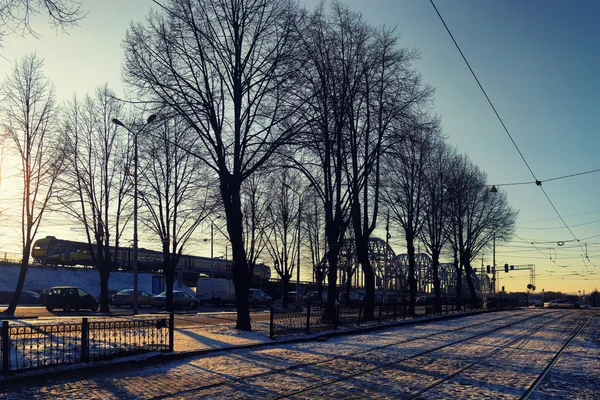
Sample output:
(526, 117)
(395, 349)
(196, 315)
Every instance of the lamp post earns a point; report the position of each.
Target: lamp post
(115, 121)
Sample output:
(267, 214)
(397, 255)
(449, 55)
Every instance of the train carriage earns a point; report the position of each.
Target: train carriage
(53, 251)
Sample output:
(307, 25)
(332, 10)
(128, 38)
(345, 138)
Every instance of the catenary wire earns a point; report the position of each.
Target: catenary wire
(537, 181)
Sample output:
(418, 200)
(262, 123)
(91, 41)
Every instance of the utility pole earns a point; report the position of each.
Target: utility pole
(212, 258)
(115, 121)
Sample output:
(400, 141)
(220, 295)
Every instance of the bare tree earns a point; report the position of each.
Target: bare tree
(476, 215)
(225, 68)
(282, 214)
(405, 168)
(331, 85)
(15, 15)
(30, 115)
(314, 225)
(174, 190)
(95, 186)
(391, 95)
(436, 216)
(255, 208)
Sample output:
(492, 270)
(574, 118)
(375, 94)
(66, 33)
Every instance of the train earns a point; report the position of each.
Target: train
(53, 251)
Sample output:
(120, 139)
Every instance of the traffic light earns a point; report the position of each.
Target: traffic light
(488, 270)
(503, 288)
(505, 267)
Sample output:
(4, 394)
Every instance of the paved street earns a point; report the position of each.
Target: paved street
(495, 355)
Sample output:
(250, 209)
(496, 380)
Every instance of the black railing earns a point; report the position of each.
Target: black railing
(34, 346)
(311, 319)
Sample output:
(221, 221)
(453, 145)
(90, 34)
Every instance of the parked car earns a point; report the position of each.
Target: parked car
(258, 298)
(29, 297)
(180, 299)
(69, 298)
(560, 303)
(43, 294)
(313, 297)
(424, 300)
(291, 297)
(353, 300)
(125, 298)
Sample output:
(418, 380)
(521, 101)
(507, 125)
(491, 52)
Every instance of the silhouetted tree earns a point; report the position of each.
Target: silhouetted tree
(225, 68)
(435, 214)
(406, 165)
(174, 188)
(282, 226)
(29, 118)
(15, 15)
(476, 215)
(255, 208)
(94, 187)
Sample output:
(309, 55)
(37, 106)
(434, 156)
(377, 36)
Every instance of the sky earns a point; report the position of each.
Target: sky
(537, 61)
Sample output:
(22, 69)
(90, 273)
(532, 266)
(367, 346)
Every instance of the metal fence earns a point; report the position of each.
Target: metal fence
(310, 319)
(35, 346)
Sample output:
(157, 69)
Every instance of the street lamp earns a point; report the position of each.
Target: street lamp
(115, 121)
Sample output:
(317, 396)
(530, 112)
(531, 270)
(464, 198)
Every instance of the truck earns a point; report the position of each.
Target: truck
(215, 291)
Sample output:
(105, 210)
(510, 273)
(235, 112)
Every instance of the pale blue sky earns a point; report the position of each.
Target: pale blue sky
(537, 61)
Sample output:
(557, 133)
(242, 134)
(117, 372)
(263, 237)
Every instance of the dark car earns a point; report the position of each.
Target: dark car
(313, 297)
(70, 298)
(125, 298)
(257, 297)
(29, 297)
(353, 300)
(291, 297)
(180, 299)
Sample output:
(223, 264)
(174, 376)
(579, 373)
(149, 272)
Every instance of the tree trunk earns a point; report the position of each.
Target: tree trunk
(412, 281)
(458, 269)
(285, 281)
(468, 273)
(14, 301)
(362, 254)
(242, 274)
(332, 259)
(104, 271)
(169, 272)
(435, 267)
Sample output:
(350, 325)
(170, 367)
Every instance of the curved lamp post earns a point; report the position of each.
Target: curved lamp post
(115, 121)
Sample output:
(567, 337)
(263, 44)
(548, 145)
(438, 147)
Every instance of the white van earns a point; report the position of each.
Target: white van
(215, 291)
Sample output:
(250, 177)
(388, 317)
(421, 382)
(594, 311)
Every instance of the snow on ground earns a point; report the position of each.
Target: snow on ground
(88, 279)
(383, 364)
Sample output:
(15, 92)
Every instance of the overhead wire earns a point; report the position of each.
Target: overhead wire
(548, 180)
(537, 181)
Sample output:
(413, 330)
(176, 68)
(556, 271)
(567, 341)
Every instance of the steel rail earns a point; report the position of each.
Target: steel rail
(554, 360)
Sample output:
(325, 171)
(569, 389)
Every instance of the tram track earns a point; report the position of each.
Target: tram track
(443, 336)
(405, 365)
(517, 344)
(530, 391)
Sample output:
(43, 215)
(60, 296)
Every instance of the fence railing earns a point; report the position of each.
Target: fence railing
(33, 346)
(311, 319)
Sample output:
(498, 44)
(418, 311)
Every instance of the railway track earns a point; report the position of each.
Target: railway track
(429, 375)
(403, 351)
